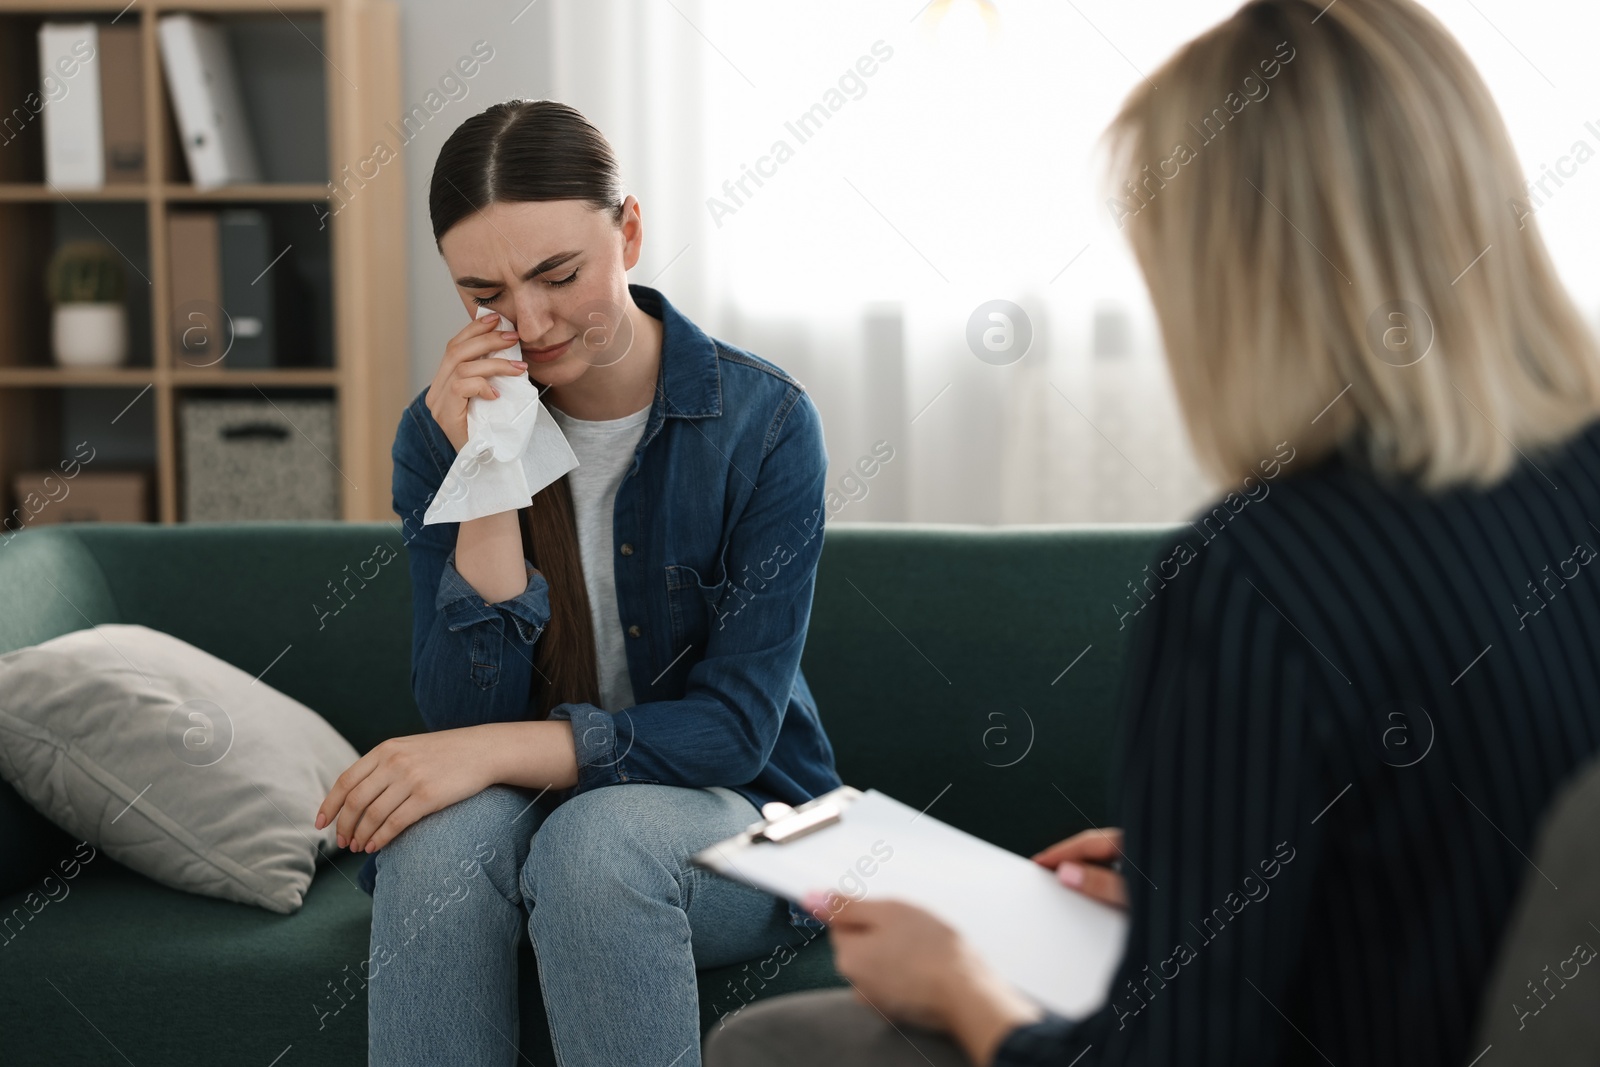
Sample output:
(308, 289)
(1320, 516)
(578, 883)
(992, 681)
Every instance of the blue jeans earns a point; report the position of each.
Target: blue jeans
(603, 890)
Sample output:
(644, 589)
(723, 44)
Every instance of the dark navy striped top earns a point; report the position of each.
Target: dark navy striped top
(1347, 706)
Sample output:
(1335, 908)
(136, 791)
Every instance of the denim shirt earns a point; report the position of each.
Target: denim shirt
(717, 529)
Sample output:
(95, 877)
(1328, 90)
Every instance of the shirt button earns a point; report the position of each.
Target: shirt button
(634, 631)
(627, 549)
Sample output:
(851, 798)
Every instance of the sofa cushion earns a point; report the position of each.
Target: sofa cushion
(977, 669)
(172, 761)
(115, 963)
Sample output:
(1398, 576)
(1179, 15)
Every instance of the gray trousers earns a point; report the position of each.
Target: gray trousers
(824, 1028)
(1529, 1015)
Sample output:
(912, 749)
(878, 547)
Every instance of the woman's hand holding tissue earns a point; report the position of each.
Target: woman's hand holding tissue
(464, 374)
(509, 453)
(405, 778)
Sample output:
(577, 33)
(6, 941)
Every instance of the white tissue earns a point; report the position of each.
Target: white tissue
(514, 449)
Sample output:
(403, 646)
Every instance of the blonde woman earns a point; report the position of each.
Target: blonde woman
(1346, 713)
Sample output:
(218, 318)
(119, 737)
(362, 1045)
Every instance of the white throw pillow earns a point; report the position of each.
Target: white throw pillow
(178, 764)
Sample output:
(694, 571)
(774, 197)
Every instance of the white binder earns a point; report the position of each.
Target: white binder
(205, 97)
(1052, 943)
(69, 64)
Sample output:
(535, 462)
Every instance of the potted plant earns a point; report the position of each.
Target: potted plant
(90, 324)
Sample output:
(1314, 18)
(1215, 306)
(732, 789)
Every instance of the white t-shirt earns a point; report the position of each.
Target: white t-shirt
(605, 450)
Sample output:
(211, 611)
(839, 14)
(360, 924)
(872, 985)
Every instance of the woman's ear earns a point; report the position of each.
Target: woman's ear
(632, 230)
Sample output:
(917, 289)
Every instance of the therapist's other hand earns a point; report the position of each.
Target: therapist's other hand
(1081, 863)
(913, 967)
(900, 958)
(401, 780)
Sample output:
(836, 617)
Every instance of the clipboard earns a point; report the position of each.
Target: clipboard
(1052, 943)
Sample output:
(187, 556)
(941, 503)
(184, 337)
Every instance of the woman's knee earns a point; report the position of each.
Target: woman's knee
(607, 842)
(446, 851)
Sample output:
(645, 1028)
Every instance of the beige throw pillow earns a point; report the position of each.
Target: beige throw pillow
(177, 764)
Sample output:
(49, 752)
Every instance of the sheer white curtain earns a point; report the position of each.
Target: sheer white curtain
(839, 185)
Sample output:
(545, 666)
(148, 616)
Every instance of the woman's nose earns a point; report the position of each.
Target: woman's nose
(534, 319)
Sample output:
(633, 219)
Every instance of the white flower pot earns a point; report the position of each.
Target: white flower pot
(90, 335)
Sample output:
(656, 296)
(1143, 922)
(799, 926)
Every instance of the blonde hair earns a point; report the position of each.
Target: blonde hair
(1339, 250)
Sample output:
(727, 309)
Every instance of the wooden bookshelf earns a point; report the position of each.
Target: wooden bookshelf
(367, 373)
(273, 192)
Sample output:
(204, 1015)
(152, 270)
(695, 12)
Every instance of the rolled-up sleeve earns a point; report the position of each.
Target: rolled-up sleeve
(462, 606)
(471, 661)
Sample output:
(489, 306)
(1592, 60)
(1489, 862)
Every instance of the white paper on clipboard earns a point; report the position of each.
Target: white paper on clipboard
(1053, 943)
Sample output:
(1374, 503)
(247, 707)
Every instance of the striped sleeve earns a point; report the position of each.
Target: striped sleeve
(1218, 780)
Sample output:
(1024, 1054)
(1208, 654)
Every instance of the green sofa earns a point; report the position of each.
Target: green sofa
(939, 657)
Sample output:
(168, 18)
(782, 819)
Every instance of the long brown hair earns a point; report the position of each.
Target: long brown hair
(564, 660)
(523, 150)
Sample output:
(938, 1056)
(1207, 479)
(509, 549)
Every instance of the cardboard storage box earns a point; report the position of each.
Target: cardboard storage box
(248, 460)
(47, 496)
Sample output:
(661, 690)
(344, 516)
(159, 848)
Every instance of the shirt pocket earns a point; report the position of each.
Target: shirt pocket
(696, 601)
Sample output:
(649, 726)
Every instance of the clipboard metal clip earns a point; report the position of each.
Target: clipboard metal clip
(793, 824)
(783, 823)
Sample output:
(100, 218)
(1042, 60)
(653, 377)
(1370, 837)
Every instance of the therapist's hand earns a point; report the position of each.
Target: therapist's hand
(912, 967)
(1081, 863)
